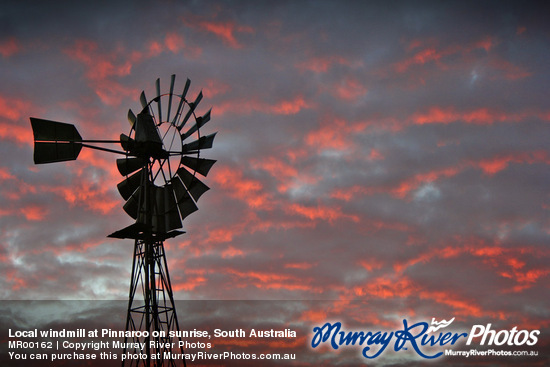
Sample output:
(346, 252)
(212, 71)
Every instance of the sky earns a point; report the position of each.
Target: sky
(389, 153)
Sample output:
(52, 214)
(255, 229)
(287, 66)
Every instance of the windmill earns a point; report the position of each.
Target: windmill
(161, 161)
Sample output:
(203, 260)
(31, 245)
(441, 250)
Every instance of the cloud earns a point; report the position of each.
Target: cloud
(9, 47)
(438, 115)
(11, 116)
(438, 54)
(350, 89)
(285, 106)
(247, 190)
(329, 214)
(102, 67)
(335, 135)
(225, 30)
(321, 64)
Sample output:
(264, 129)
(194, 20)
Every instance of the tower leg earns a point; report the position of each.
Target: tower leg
(155, 313)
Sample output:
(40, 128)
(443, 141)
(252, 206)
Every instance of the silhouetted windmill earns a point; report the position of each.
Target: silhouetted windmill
(160, 164)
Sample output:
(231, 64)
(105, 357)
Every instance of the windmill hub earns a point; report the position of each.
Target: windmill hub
(148, 140)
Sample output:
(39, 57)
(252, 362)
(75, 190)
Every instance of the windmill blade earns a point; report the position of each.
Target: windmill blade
(172, 217)
(146, 131)
(131, 118)
(148, 140)
(165, 211)
(192, 107)
(131, 207)
(195, 187)
(201, 120)
(158, 209)
(128, 165)
(55, 141)
(186, 204)
(200, 165)
(130, 184)
(172, 81)
(182, 99)
(127, 143)
(157, 99)
(143, 100)
(204, 142)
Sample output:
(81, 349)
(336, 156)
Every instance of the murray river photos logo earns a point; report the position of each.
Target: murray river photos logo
(421, 337)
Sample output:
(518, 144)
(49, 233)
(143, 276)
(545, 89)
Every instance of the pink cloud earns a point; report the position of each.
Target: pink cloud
(504, 261)
(232, 252)
(321, 64)
(460, 56)
(290, 107)
(402, 189)
(247, 106)
(421, 57)
(350, 89)
(390, 288)
(375, 155)
(385, 288)
(154, 48)
(215, 87)
(103, 68)
(15, 280)
(9, 47)
(335, 134)
(319, 212)
(348, 193)
(88, 193)
(174, 42)
(247, 190)
(224, 30)
(489, 166)
(193, 278)
(481, 116)
(286, 174)
(502, 68)
(496, 164)
(5, 174)
(18, 134)
(34, 212)
(300, 266)
(276, 167)
(371, 264)
(12, 113)
(220, 235)
(14, 188)
(486, 43)
(434, 54)
(29, 212)
(414, 182)
(271, 280)
(100, 65)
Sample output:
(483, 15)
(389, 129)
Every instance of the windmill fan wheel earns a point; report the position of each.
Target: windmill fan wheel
(163, 162)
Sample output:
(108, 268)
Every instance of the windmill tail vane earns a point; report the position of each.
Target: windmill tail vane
(161, 165)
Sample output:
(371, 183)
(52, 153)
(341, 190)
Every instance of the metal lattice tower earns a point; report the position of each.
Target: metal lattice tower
(161, 188)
